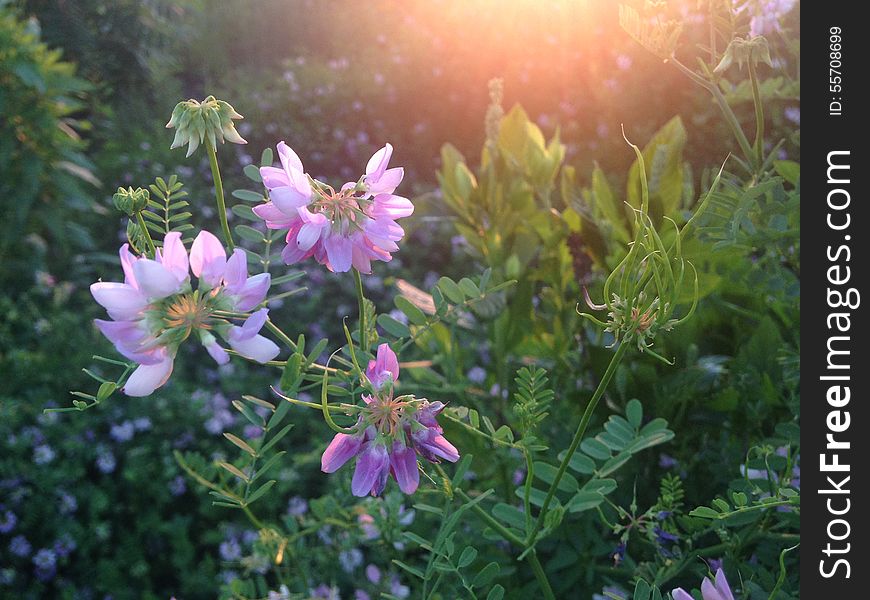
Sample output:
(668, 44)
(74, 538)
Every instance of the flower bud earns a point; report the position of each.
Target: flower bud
(195, 122)
(130, 201)
(740, 50)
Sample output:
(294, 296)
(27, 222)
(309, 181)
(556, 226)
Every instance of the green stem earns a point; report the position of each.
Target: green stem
(361, 300)
(254, 520)
(219, 195)
(541, 576)
(729, 115)
(141, 221)
(759, 115)
(489, 520)
(578, 437)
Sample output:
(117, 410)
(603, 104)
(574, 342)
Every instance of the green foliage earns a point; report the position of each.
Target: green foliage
(47, 183)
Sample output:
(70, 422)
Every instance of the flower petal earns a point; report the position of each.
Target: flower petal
(288, 198)
(257, 348)
(372, 467)
(339, 251)
(386, 183)
(219, 355)
(403, 462)
(147, 378)
(681, 594)
(274, 177)
(308, 235)
(127, 260)
(236, 271)
(208, 259)
(174, 256)
(122, 302)
(289, 159)
(378, 163)
(391, 207)
(155, 280)
(341, 449)
(253, 292)
(275, 218)
(722, 585)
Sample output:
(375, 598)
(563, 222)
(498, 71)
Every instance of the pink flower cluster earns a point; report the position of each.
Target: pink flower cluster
(341, 229)
(155, 309)
(391, 432)
(720, 590)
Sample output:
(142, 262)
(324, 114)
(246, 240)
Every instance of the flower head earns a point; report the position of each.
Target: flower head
(211, 119)
(710, 590)
(342, 228)
(155, 309)
(390, 432)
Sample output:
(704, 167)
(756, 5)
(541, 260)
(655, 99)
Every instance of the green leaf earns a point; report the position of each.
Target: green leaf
(486, 574)
(641, 590)
(412, 570)
(243, 445)
(510, 515)
(496, 593)
(235, 471)
(634, 412)
(704, 512)
(467, 557)
(580, 463)
(248, 413)
(595, 449)
(414, 314)
(547, 473)
(245, 212)
(602, 486)
(260, 491)
(393, 327)
(252, 172)
(504, 434)
(266, 158)
(268, 465)
(276, 438)
(788, 170)
(451, 290)
(249, 196)
(721, 505)
(246, 232)
(663, 159)
(584, 501)
(469, 288)
(614, 463)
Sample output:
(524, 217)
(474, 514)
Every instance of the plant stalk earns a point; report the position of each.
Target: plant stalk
(219, 195)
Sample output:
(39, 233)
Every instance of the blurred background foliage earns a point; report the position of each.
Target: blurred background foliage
(85, 89)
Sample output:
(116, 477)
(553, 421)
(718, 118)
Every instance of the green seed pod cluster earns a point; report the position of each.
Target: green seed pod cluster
(197, 122)
(130, 201)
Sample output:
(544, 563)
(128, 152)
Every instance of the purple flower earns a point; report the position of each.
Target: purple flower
(350, 560)
(64, 545)
(230, 550)
(142, 424)
(397, 589)
(361, 595)
(45, 562)
(709, 590)
(43, 454)
(177, 486)
(340, 229)
(155, 309)
(390, 433)
(106, 462)
(123, 432)
(325, 592)
(477, 375)
(297, 506)
(19, 546)
(373, 574)
(68, 503)
(8, 520)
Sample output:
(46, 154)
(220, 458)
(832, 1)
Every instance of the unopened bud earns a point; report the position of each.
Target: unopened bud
(211, 120)
(130, 201)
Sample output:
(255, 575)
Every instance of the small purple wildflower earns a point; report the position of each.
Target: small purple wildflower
(177, 486)
(106, 462)
(45, 562)
(68, 503)
(19, 546)
(477, 375)
(64, 545)
(667, 461)
(142, 424)
(398, 589)
(350, 560)
(8, 521)
(122, 432)
(373, 574)
(361, 595)
(43, 454)
(230, 550)
(720, 590)
(297, 506)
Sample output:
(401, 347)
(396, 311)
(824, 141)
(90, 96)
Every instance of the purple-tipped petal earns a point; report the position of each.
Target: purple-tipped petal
(208, 259)
(236, 271)
(289, 159)
(127, 260)
(309, 235)
(275, 217)
(433, 446)
(681, 594)
(253, 292)
(378, 163)
(257, 348)
(215, 350)
(341, 449)
(289, 198)
(133, 342)
(274, 177)
(391, 207)
(123, 302)
(251, 326)
(384, 367)
(155, 280)
(722, 585)
(147, 378)
(174, 256)
(372, 470)
(403, 462)
(339, 251)
(427, 413)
